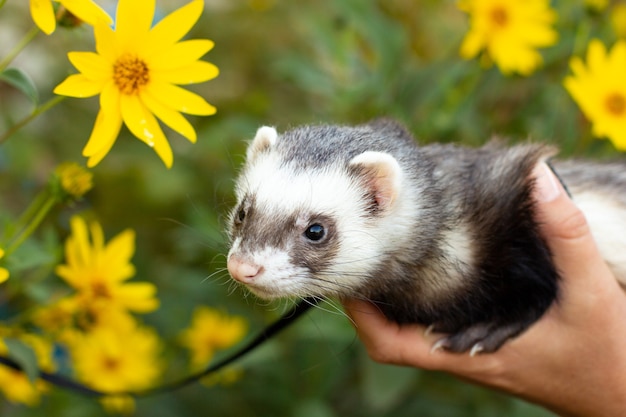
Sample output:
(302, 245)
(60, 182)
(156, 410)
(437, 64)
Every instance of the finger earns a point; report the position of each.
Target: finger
(388, 342)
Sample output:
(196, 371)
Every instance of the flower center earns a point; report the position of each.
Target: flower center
(130, 74)
(499, 16)
(111, 364)
(616, 104)
(100, 290)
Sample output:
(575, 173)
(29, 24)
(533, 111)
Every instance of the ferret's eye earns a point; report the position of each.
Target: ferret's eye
(241, 215)
(315, 232)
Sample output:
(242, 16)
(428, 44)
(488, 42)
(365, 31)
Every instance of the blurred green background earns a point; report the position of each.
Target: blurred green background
(282, 63)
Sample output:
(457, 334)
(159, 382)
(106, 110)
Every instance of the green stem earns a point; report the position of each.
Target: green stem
(32, 225)
(19, 47)
(44, 107)
(28, 214)
(2, 3)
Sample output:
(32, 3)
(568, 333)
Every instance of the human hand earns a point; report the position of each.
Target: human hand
(572, 361)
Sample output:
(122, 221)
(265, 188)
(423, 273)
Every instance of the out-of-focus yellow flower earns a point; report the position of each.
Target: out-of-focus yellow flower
(116, 358)
(4, 273)
(618, 20)
(119, 404)
(98, 271)
(599, 89)
(42, 12)
(74, 179)
(137, 71)
(509, 32)
(15, 385)
(211, 330)
(56, 317)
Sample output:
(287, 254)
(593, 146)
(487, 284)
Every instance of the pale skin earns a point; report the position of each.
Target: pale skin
(572, 361)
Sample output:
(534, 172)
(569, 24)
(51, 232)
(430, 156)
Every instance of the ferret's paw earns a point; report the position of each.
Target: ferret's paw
(479, 338)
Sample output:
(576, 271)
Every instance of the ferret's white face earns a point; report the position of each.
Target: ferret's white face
(287, 234)
(300, 233)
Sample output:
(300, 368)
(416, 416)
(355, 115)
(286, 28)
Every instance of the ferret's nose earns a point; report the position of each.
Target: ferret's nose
(243, 271)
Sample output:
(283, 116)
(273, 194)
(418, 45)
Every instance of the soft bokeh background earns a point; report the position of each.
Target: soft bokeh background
(282, 63)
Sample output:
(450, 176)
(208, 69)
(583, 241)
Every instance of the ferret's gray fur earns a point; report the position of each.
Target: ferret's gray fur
(439, 235)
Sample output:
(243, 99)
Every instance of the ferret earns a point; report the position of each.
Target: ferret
(440, 235)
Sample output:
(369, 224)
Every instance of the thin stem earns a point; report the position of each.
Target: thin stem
(44, 107)
(32, 225)
(18, 48)
(29, 213)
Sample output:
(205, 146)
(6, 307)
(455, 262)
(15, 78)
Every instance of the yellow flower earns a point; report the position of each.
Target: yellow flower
(43, 15)
(116, 358)
(98, 270)
(600, 91)
(4, 273)
(509, 31)
(15, 384)
(75, 180)
(122, 405)
(137, 71)
(210, 331)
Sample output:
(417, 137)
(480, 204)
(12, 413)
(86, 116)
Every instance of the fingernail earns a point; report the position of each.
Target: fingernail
(547, 186)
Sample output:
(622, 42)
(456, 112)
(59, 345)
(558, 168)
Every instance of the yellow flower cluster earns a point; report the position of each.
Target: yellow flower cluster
(210, 331)
(509, 32)
(137, 70)
(109, 348)
(600, 90)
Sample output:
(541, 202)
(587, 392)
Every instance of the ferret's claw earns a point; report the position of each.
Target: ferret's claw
(439, 345)
(476, 349)
(429, 330)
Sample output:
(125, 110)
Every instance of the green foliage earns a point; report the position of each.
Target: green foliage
(20, 80)
(281, 63)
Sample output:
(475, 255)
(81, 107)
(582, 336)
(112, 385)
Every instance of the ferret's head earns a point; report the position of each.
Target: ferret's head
(315, 212)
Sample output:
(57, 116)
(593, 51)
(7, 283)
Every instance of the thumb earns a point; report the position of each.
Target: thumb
(564, 227)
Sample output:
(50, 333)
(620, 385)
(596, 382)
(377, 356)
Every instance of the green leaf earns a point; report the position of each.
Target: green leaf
(24, 356)
(20, 80)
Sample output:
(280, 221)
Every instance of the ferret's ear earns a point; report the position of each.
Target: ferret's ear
(382, 174)
(264, 139)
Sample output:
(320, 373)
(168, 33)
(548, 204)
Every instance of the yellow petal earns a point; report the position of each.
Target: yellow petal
(78, 85)
(133, 21)
(4, 275)
(596, 56)
(120, 249)
(170, 117)
(472, 44)
(197, 72)
(106, 128)
(106, 42)
(91, 65)
(80, 240)
(145, 127)
(180, 99)
(139, 296)
(174, 26)
(87, 11)
(42, 13)
(180, 54)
